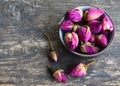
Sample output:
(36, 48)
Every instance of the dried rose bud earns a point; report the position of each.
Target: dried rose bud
(107, 23)
(84, 33)
(75, 15)
(54, 56)
(92, 38)
(93, 13)
(95, 26)
(80, 69)
(66, 25)
(101, 40)
(71, 40)
(105, 32)
(88, 48)
(59, 75)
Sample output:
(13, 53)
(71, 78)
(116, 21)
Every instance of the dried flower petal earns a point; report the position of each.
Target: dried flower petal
(84, 33)
(59, 75)
(101, 40)
(66, 25)
(95, 26)
(93, 13)
(75, 15)
(107, 23)
(78, 70)
(88, 48)
(54, 56)
(71, 40)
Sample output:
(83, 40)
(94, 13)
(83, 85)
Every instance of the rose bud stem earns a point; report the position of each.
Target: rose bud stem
(53, 54)
(50, 69)
(90, 63)
(50, 42)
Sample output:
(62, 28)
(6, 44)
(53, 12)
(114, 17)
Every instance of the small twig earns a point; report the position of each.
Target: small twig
(50, 42)
(90, 63)
(50, 69)
(87, 65)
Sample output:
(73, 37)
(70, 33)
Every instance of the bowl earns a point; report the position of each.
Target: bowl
(109, 37)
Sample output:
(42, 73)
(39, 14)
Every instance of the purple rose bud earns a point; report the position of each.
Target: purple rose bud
(107, 23)
(93, 13)
(92, 38)
(105, 32)
(59, 75)
(66, 25)
(53, 56)
(71, 40)
(84, 33)
(78, 70)
(89, 48)
(95, 26)
(101, 40)
(75, 15)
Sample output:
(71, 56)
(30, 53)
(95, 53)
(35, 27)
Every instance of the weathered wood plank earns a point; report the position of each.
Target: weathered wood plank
(24, 49)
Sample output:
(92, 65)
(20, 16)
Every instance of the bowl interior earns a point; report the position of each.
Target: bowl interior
(110, 37)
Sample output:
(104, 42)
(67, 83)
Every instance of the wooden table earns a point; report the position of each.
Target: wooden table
(24, 49)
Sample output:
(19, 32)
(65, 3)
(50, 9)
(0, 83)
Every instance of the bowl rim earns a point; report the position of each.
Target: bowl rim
(81, 54)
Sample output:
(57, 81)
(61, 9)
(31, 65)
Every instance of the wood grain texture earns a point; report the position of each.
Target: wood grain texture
(24, 49)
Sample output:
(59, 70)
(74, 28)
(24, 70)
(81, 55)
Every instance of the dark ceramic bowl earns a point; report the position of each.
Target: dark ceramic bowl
(110, 37)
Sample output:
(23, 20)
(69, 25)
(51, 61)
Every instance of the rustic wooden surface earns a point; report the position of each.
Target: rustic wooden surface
(24, 49)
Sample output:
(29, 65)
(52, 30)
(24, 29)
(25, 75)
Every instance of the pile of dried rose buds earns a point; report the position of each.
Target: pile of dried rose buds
(86, 31)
